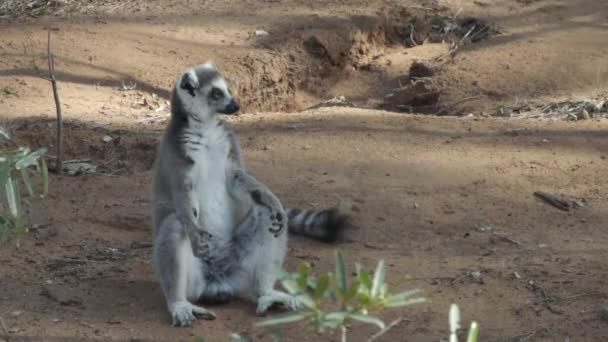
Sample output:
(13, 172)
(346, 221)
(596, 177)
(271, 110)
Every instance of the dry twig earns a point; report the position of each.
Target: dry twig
(59, 161)
(390, 326)
(553, 200)
(507, 239)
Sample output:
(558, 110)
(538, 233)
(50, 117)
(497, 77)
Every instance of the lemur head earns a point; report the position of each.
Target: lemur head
(203, 92)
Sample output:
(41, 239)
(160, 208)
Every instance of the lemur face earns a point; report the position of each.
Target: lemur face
(205, 92)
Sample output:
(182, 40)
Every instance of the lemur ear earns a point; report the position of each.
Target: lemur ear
(189, 82)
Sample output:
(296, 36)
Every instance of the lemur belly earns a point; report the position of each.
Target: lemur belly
(215, 203)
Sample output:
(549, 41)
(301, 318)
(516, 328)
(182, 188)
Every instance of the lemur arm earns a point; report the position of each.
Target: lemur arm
(188, 212)
(242, 180)
(261, 195)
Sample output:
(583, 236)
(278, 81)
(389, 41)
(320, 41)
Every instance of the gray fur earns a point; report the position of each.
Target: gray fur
(218, 231)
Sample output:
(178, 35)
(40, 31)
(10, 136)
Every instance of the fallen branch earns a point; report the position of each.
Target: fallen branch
(553, 200)
(507, 239)
(59, 161)
(390, 326)
(459, 102)
(412, 34)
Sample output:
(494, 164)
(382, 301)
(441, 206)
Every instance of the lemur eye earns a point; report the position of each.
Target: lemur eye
(216, 94)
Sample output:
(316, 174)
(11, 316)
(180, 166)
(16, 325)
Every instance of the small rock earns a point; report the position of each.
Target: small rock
(542, 245)
(107, 139)
(261, 33)
(482, 227)
(516, 275)
(476, 276)
(579, 203)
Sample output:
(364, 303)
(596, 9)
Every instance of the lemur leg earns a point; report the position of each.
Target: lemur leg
(269, 257)
(272, 297)
(179, 272)
(264, 197)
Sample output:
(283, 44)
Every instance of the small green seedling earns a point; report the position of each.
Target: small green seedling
(15, 168)
(331, 300)
(455, 325)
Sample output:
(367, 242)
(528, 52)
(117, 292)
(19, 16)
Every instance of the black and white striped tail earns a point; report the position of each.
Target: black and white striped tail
(325, 225)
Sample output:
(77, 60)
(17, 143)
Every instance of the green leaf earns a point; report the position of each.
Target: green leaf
(405, 302)
(307, 300)
(378, 279)
(5, 170)
(198, 339)
(9, 91)
(44, 174)
(30, 159)
(12, 197)
(19, 153)
(402, 295)
(28, 183)
(473, 332)
(287, 318)
(291, 286)
(237, 338)
(368, 319)
(334, 319)
(352, 292)
(4, 133)
(322, 286)
(364, 278)
(303, 273)
(340, 273)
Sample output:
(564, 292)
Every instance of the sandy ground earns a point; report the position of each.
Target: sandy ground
(416, 186)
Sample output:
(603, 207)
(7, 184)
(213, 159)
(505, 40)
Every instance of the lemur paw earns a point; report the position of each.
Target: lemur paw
(201, 243)
(277, 297)
(184, 313)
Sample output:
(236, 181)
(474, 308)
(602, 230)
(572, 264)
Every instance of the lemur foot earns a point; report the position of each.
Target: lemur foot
(266, 301)
(184, 313)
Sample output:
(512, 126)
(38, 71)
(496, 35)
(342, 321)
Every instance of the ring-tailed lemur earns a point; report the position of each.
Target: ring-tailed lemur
(219, 232)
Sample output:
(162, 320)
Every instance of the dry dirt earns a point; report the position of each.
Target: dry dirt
(417, 186)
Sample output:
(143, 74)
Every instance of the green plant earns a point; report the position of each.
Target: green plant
(331, 300)
(15, 167)
(455, 325)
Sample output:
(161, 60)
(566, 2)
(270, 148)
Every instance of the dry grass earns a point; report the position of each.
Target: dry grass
(37, 8)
